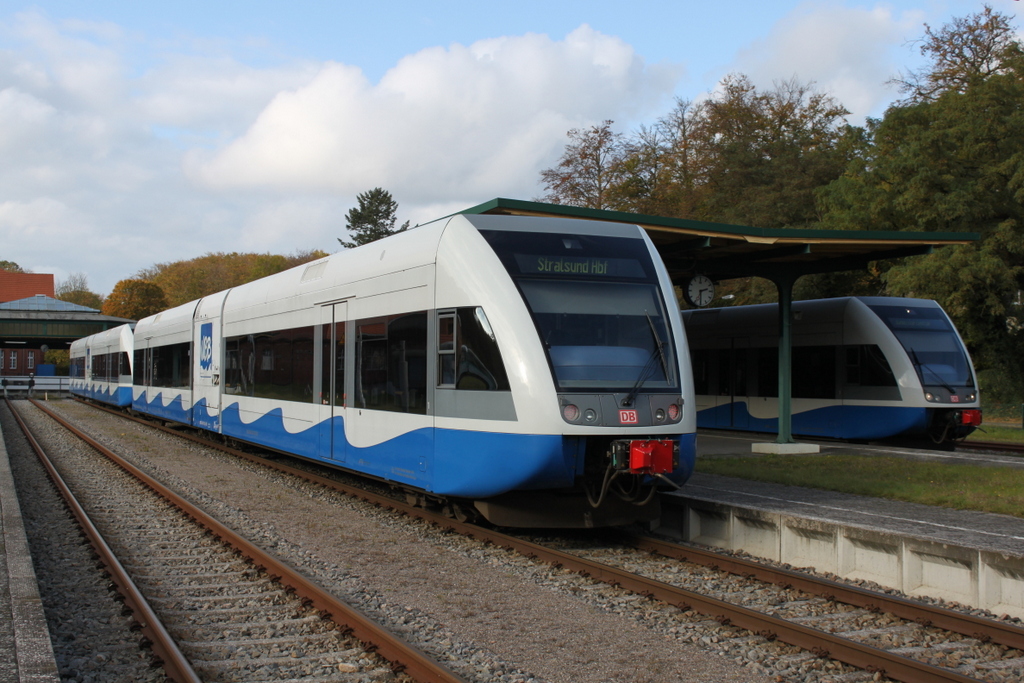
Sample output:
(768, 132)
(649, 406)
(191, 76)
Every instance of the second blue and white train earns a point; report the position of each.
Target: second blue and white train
(864, 368)
(534, 370)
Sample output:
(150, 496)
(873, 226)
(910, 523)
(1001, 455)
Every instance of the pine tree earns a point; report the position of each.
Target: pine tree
(373, 219)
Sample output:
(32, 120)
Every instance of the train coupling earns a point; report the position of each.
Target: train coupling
(652, 456)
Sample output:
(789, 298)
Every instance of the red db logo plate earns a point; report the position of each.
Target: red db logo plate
(628, 417)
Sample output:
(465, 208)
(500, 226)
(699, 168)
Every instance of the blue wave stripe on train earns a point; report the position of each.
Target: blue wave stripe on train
(113, 394)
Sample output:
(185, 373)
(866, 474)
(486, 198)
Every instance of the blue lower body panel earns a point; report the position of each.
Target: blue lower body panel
(837, 422)
(447, 462)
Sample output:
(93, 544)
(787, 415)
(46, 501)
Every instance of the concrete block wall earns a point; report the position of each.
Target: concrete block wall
(915, 566)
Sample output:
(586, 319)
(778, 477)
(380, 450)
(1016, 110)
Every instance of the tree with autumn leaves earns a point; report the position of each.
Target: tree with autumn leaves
(134, 300)
(191, 279)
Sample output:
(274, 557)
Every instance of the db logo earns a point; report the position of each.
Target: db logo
(206, 346)
(628, 417)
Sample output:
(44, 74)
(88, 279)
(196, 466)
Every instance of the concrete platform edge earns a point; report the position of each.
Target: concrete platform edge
(33, 649)
(916, 566)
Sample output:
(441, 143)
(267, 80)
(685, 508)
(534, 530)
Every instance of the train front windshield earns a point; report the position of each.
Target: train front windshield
(597, 305)
(931, 342)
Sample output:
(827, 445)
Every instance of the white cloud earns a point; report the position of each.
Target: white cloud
(463, 122)
(849, 52)
(111, 166)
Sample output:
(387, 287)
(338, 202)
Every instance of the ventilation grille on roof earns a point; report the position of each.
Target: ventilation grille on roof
(314, 271)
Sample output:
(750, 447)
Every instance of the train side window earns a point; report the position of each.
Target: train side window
(814, 371)
(333, 359)
(480, 366)
(867, 366)
(446, 349)
(391, 363)
(170, 365)
(277, 364)
(467, 352)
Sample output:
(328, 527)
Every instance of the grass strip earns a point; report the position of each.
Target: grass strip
(961, 487)
(991, 432)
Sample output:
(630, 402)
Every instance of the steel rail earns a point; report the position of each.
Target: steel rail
(994, 446)
(983, 629)
(404, 657)
(813, 640)
(175, 664)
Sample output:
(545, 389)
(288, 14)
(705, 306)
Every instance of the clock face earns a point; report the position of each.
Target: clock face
(700, 290)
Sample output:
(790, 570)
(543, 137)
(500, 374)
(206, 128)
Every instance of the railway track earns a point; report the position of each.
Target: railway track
(993, 446)
(881, 635)
(212, 605)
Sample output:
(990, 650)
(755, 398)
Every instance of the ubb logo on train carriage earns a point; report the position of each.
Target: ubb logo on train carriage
(206, 346)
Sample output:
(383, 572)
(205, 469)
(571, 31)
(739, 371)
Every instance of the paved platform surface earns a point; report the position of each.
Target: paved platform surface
(976, 530)
(26, 655)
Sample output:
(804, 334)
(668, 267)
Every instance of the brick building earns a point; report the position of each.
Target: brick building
(33, 321)
(14, 286)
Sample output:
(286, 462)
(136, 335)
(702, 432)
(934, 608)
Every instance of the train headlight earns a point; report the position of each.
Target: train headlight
(929, 396)
(570, 412)
(673, 412)
(659, 415)
(970, 397)
(590, 415)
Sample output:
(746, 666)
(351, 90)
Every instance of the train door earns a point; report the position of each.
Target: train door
(333, 396)
(207, 343)
(732, 362)
(740, 380)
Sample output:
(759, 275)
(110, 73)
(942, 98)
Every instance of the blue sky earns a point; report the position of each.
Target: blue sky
(138, 133)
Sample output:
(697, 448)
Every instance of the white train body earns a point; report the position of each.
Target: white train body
(481, 358)
(863, 368)
(101, 366)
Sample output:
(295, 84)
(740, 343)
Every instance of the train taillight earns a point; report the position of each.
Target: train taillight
(655, 456)
(970, 418)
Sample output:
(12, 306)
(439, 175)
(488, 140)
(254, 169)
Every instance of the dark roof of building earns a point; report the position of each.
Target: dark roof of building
(726, 251)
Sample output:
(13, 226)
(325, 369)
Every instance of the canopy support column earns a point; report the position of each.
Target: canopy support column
(784, 443)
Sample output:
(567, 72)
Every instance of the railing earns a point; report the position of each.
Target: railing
(18, 386)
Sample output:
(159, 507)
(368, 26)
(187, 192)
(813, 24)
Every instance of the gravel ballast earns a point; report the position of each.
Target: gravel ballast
(493, 615)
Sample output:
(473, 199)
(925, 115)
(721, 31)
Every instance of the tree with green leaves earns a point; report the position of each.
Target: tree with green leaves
(374, 218)
(134, 300)
(60, 359)
(952, 160)
(11, 267)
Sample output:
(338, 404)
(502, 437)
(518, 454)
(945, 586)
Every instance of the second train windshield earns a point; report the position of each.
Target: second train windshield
(931, 342)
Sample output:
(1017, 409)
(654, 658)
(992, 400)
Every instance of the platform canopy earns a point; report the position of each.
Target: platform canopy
(782, 255)
(724, 252)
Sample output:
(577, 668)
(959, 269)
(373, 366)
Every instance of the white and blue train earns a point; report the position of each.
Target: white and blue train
(532, 370)
(863, 368)
(101, 366)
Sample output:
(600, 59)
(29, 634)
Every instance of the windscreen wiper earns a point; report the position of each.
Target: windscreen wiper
(648, 369)
(941, 382)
